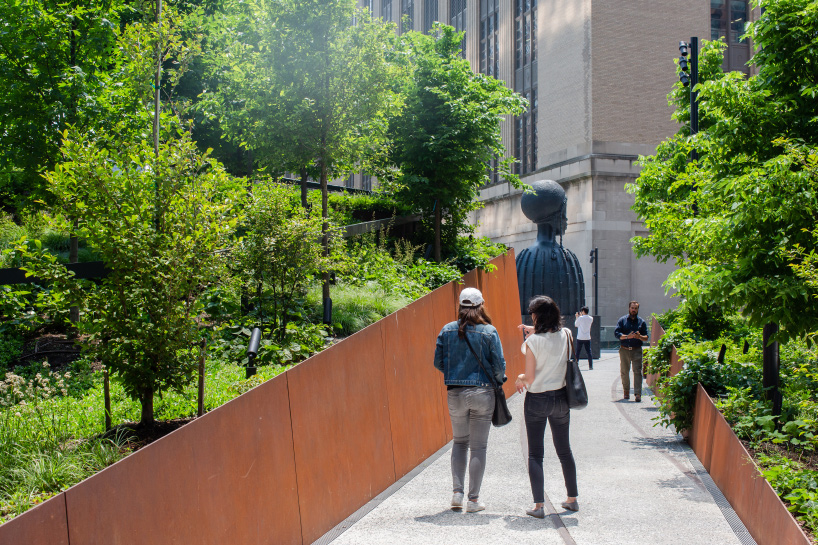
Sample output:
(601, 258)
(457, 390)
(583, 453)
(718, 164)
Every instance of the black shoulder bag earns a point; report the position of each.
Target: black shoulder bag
(501, 415)
(574, 383)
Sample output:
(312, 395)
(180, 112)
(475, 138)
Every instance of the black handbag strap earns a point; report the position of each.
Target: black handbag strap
(480, 361)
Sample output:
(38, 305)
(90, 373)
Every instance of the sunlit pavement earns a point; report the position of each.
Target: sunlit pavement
(638, 483)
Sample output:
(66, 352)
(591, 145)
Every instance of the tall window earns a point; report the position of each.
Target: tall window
(386, 10)
(429, 14)
(458, 18)
(727, 20)
(366, 182)
(489, 47)
(525, 83)
(407, 14)
(490, 55)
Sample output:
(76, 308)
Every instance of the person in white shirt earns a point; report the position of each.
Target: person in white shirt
(583, 322)
(546, 350)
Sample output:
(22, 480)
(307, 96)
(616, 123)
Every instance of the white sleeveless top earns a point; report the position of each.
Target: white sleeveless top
(551, 352)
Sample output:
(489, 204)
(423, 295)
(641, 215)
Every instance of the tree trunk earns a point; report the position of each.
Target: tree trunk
(771, 367)
(325, 225)
(304, 188)
(201, 389)
(438, 220)
(73, 253)
(146, 399)
(107, 398)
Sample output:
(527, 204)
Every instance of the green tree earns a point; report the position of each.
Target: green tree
(155, 210)
(54, 55)
(280, 250)
(319, 85)
(733, 220)
(447, 134)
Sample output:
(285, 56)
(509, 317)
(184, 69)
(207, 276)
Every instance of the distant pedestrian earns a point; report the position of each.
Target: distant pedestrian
(632, 331)
(583, 322)
(546, 350)
(470, 391)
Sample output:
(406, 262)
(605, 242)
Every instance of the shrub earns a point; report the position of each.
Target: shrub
(356, 306)
(701, 366)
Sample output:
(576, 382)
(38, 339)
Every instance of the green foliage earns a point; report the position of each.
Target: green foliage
(679, 391)
(290, 84)
(371, 261)
(53, 60)
(299, 341)
(446, 135)
(280, 252)
(735, 220)
(796, 484)
(475, 253)
(356, 306)
(349, 209)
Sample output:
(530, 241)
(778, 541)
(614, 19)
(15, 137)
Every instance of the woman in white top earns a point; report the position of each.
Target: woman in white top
(546, 354)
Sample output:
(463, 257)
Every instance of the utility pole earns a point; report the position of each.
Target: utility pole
(690, 77)
(595, 261)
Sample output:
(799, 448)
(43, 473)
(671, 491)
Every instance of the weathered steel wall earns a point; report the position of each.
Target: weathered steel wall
(292, 458)
(735, 473)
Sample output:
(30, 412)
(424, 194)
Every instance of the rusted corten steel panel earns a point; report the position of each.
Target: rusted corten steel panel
(656, 331)
(443, 302)
(737, 476)
(496, 295)
(515, 361)
(701, 436)
(228, 477)
(676, 364)
(45, 524)
(415, 409)
(341, 431)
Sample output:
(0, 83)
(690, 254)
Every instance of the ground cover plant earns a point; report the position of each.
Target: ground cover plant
(785, 447)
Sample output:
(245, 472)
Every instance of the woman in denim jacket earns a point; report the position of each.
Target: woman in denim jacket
(470, 391)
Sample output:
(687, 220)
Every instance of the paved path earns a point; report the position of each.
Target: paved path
(637, 484)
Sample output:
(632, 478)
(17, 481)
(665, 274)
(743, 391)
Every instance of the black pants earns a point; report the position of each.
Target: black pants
(540, 409)
(587, 344)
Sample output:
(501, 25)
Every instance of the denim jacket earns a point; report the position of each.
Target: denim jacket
(456, 361)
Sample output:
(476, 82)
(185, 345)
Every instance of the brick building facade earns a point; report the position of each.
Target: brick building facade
(597, 74)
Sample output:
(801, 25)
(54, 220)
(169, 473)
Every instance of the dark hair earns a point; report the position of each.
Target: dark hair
(545, 313)
(471, 316)
(633, 303)
(585, 310)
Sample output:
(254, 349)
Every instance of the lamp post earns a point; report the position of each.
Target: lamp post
(595, 261)
(691, 79)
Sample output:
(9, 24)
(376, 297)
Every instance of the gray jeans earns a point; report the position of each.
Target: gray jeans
(470, 408)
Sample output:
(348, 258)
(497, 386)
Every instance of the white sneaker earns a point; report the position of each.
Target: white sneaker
(457, 500)
(475, 506)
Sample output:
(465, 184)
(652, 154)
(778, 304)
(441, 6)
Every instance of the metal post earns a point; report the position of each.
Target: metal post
(596, 282)
(106, 394)
(200, 397)
(694, 95)
(595, 261)
(771, 367)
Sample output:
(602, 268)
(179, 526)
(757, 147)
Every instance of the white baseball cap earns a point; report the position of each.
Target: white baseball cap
(471, 297)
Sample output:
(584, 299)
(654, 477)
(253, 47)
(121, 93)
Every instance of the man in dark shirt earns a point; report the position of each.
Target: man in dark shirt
(631, 330)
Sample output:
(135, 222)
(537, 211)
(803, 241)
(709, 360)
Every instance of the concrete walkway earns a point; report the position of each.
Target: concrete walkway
(637, 484)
